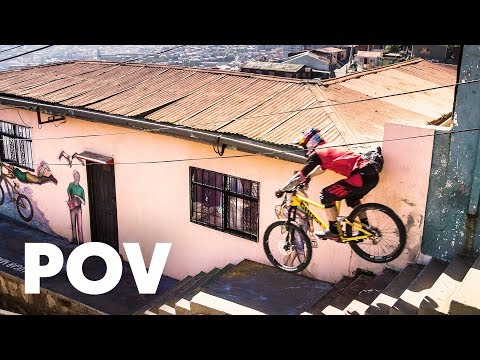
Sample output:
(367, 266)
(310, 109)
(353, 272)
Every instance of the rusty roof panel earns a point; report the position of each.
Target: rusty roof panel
(73, 94)
(263, 108)
(163, 95)
(258, 123)
(432, 104)
(201, 100)
(29, 79)
(158, 79)
(291, 130)
(236, 105)
(110, 85)
(367, 118)
(148, 84)
(63, 83)
(439, 74)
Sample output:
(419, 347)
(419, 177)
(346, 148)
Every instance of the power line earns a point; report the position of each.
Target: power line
(269, 114)
(155, 53)
(25, 53)
(346, 102)
(268, 152)
(15, 47)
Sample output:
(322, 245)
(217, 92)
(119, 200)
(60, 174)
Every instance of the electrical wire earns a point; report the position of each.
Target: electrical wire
(274, 113)
(155, 53)
(15, 47)
(268, 152)
(25, 53)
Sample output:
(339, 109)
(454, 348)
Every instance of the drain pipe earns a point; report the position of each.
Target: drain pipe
(250, 146)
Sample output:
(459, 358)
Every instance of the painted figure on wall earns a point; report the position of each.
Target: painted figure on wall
(76, 197)
(43, 176)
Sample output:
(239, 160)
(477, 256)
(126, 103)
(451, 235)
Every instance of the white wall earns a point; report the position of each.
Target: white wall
(153, 200)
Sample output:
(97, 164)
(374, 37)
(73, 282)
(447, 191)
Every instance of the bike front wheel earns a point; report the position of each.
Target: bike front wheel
(390, 236)
(287, 246)
(24, 208)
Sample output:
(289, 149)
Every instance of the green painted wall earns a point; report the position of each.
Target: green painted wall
(453, 193)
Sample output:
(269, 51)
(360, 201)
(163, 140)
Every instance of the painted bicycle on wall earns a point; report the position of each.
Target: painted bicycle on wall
(289, 248)
(23, 203)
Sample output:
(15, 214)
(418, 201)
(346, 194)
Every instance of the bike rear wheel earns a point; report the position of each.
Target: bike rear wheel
(24, 208)
(390, 234)
(2, 195)
(287, 246)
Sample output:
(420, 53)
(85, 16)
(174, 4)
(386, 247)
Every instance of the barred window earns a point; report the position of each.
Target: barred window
(223, 202)
(16, 145)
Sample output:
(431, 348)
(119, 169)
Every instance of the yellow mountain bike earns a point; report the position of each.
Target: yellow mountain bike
(289, 248)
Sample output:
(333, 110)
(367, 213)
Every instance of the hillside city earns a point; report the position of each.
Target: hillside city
(207, 56)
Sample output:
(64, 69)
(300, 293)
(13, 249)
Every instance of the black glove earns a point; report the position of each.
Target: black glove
(279, 193)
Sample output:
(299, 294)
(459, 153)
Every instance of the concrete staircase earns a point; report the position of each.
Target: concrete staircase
(437, 288)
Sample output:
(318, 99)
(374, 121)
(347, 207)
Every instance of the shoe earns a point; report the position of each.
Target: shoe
(331, 236)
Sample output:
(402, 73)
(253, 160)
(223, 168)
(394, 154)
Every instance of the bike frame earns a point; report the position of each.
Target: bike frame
(303, 202)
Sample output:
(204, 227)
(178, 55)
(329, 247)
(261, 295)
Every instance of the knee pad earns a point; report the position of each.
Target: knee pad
(352, 203)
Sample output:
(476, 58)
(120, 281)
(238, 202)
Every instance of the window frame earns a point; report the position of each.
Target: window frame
(226, 197)
(20, 133)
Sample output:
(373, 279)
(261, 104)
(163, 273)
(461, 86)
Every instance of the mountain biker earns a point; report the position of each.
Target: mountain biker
(361, 176)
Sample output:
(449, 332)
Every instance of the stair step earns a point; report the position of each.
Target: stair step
(155, 303)
(410, 300)
(251, 287)
(6, 312)
(161, 300)
(346, 297)
(326, 299)
(383, 302)
(361, 303)
(440, 295)
(466, 300)
(182, 306)
(168, 306)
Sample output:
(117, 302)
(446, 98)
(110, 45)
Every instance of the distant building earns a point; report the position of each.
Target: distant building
(290, 49)
(334, 53)
(369, 47)
(320, 65)
(119, 57)
(431, 52)
(368, 59)
(299, 71)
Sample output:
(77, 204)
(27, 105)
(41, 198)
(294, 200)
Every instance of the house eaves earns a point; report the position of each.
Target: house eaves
(247, 145)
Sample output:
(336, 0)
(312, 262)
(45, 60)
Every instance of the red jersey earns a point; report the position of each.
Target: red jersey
(342, 162)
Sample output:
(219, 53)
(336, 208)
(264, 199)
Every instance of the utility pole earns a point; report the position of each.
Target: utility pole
(349, 59)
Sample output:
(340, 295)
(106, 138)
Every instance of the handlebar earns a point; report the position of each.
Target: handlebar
(279, 193)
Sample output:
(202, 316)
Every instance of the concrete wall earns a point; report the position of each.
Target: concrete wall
(153, 199)
(453, 200)
(14, 299)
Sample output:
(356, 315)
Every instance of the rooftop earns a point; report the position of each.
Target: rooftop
(369, 54)
(330, 50)
(263, 108)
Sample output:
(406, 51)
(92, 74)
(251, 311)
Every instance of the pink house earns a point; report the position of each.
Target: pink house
(141, 153)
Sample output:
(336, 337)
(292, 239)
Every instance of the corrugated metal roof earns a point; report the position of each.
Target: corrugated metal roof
(262, 108)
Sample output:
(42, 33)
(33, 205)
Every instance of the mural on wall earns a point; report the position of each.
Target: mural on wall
(16, 203)
(76, 197)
